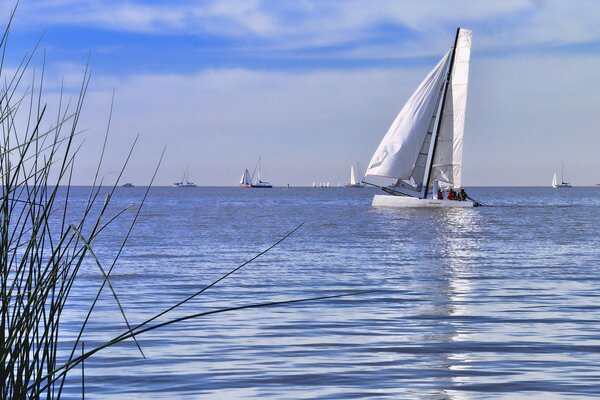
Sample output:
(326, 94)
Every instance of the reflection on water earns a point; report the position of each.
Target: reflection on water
(468, 304)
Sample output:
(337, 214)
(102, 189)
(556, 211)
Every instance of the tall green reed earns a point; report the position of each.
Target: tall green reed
(41, 253)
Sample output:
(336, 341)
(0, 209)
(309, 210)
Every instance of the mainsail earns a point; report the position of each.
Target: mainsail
(352, 176)
(436, 110)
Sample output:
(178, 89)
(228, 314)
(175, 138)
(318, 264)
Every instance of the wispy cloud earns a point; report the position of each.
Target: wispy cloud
(366, 23)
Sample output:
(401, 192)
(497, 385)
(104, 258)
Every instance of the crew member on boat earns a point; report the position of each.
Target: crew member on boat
(451, 195)
(463, 195)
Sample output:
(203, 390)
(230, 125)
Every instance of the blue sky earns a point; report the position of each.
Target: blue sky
(312, 86)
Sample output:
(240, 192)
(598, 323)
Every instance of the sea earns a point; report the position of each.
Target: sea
(495, 302)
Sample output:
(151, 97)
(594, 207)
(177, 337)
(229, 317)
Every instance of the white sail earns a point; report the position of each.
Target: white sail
(554, 182)
(258, 173)
(352, 176)
(447, 161)
(245, 178)
(398, 151)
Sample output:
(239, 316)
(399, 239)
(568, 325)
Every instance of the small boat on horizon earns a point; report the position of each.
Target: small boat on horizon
(248, 181)
(355, 183)
(184, 183)
(562, 183)
(127, 185)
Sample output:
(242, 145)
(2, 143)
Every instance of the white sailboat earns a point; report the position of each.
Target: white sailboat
(258, 182)
(422, 150)
(354, 183)
(246, 181)
(562, 183)
(184, 183)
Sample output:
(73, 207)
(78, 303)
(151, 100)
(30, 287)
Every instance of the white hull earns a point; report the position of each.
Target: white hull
(383, 200)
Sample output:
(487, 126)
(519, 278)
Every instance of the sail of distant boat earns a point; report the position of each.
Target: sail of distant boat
(246, 181)
(422, 149)
(354, 182)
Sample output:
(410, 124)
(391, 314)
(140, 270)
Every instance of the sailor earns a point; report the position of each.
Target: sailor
(440, 195)
(463, 195)
(451, 194)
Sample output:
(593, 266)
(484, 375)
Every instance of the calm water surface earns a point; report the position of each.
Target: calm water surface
(491, 302)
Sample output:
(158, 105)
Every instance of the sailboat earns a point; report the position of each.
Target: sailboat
(246, 181)
(184, 183)
(562, 183)
(354, 183)
(422, 150)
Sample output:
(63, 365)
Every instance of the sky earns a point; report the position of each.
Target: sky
(311, 86)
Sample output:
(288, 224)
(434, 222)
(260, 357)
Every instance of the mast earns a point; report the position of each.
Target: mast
(429, 166)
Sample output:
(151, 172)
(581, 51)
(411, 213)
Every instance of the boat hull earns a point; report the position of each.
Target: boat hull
(382, 200)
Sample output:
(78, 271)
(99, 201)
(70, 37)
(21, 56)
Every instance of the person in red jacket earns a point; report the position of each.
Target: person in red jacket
(451, 195)
(440, 195)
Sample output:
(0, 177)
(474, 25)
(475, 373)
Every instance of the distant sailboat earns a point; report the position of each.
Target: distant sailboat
(562, 183)
(184, 183)
(422, 150)
(259, 183)
(246, 181)
(354, 183)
